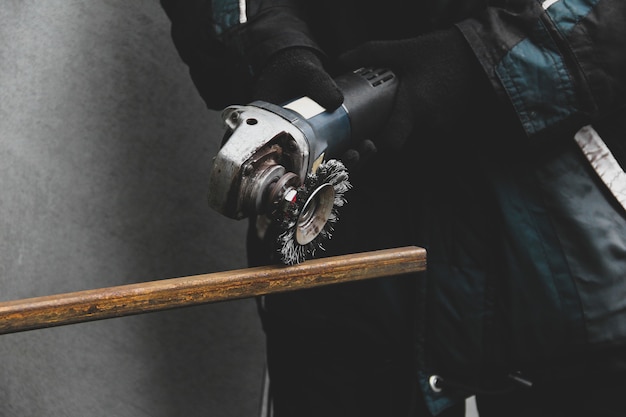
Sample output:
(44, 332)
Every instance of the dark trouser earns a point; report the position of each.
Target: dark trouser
(346, 350)
(603, 396)
(344, 359)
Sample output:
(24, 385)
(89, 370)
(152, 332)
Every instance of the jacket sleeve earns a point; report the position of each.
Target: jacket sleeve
(561, 63)
(226, 42)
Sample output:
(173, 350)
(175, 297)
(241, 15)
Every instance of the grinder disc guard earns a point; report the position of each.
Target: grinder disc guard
(309, 221)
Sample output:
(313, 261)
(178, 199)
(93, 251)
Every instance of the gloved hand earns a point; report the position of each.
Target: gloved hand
(441, 84)
(295, 72)
(357, 157)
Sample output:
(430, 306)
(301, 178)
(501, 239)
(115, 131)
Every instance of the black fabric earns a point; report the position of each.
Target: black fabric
(442, 86)
(223, 65)
(358, 157)
(219, 74)
(598, 396)
(295, 72)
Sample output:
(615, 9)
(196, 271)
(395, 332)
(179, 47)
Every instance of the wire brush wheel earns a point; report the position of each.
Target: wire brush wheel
(292, 247)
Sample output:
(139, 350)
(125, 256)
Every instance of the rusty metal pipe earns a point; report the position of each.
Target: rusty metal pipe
(125, 300)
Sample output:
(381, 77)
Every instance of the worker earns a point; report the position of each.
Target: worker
(502, 157)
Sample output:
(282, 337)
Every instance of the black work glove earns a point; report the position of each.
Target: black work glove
(295, 72)
(356, 158)
(441, 84)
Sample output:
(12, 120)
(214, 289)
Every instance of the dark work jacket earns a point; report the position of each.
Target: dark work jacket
(526, 234)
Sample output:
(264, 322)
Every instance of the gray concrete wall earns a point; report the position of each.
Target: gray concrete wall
(105, 149)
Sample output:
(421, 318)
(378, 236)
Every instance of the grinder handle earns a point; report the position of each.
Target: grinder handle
(368, 99)
(368, 93)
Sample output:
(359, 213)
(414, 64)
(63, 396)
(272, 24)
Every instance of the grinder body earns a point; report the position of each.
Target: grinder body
(263, 141)
(271, 154)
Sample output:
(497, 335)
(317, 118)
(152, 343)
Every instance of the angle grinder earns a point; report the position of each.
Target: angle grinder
(280, 162)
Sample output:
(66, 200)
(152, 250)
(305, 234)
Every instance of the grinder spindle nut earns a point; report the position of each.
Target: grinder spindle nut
(282, 195)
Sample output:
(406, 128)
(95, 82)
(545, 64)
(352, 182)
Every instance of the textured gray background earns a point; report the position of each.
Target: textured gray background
(105, 149)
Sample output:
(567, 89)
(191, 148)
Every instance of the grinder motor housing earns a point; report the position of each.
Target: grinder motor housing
(268, 150)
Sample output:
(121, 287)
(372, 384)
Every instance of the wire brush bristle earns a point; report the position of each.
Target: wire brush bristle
(330, 172)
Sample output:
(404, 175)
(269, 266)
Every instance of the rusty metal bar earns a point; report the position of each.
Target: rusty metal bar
(125, 300)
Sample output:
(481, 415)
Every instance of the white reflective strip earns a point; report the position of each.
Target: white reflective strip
(603, 162)
(265, 410)
(548, 3)
(306, 107)
(243, 17)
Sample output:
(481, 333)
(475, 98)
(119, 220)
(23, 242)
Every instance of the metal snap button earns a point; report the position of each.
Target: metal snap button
(435, 383)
